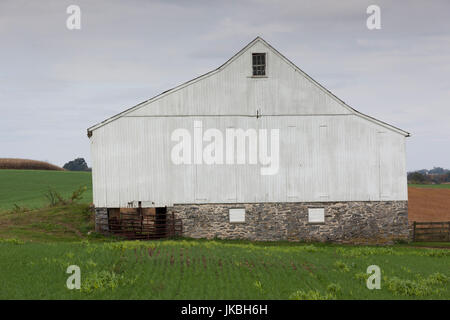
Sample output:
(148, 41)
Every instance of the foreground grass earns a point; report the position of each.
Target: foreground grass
(27, 188)
(37, 246)
(436, 244)
(200, 269)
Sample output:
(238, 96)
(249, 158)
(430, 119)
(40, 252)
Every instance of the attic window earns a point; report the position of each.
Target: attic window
(259, 64)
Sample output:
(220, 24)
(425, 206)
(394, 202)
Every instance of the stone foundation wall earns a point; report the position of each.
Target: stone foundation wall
(345, 222)
(101, 220)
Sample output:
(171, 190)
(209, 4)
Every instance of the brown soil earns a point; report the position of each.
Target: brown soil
(427, 204)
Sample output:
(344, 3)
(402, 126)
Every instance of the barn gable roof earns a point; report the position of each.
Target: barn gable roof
(257, 39)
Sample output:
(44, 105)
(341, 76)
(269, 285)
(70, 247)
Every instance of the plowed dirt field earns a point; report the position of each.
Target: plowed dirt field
(428, 204)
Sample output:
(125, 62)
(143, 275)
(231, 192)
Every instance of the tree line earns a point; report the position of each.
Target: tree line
(437, 175)
(79, 164)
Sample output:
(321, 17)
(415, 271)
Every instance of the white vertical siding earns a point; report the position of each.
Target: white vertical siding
(349, 159)
(327, 152)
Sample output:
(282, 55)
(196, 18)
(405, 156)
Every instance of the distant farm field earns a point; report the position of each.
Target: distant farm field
(428, 204)
(431, 186)
(27, 188)
(27, 164)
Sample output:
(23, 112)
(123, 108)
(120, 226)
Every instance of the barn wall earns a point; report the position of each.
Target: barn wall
(322, 158)
(327, 153)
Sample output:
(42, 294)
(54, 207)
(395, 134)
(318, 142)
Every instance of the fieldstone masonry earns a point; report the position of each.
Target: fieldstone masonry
(345, 222)
(101, 220)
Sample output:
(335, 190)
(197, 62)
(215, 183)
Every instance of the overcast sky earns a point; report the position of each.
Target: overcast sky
(55, 82)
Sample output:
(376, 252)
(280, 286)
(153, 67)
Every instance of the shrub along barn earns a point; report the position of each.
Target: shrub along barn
(255, 149)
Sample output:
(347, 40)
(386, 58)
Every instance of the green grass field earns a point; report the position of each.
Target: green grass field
(37, 246)
(201, 269)
(50, 224)
(27, 188)
(434, 186)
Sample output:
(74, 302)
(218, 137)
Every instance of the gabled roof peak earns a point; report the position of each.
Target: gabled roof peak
(251, 43)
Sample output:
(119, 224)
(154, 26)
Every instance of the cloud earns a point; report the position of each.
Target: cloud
(54, 83)
(229, 27)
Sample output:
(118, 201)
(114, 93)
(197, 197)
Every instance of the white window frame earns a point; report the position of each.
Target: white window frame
(316, 215)
(236, 215)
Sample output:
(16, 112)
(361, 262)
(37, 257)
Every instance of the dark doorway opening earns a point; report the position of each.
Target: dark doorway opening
(160, 222)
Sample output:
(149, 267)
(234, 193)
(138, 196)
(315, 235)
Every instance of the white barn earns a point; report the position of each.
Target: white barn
(255, 149)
